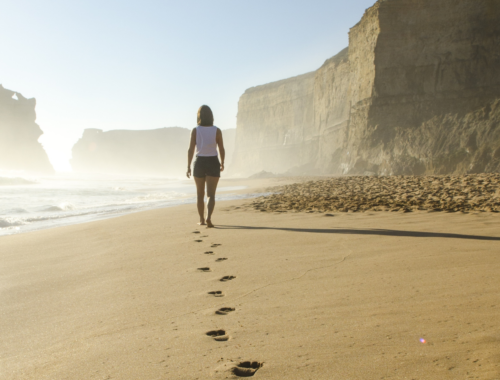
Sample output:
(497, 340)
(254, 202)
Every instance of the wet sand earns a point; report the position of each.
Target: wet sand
(372, 295)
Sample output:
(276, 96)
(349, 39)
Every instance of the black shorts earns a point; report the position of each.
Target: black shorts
(204, 166)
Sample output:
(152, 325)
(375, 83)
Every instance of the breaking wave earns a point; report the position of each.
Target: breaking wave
(10, 222)
(58, 201)
(61, 207)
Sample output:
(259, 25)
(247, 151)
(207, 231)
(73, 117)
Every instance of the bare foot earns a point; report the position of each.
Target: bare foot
(201, 223)
(209, 224)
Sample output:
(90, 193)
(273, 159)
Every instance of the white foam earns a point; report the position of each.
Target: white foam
(10, 222)
(61, 207)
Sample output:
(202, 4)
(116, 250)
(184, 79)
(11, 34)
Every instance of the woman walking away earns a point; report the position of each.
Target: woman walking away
(206, 138)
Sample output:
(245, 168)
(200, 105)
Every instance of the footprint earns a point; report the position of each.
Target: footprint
(215, 245)
(205, 269)
(227, 278)
(225, 310)
(198, 241)
(209, 253)
(217, 293)
(196, 232)
(219, 335)
(247, 369)
(221, 259)
(204, 236)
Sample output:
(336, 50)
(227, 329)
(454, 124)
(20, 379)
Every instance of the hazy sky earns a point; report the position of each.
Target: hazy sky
(151, 64)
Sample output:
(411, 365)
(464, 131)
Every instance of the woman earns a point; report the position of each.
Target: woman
(206, 138)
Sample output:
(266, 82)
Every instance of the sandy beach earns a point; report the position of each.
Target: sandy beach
(151, 295)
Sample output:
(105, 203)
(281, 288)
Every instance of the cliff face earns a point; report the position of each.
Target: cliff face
(417, 91)
(156, 152)
(436, 90)
(19, 134)
(273, 123)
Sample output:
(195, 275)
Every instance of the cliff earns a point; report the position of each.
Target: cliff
(156, 152)
(19, 134)
(416, 92)
(273, 120)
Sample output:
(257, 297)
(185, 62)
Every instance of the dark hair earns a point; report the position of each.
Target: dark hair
(205, 116)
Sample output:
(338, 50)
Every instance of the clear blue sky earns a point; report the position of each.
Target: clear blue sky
(151, 64)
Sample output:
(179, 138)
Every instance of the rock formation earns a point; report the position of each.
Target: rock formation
(416, 92)
(156, 152)
(19, 134)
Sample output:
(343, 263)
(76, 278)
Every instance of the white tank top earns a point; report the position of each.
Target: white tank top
(206, 144)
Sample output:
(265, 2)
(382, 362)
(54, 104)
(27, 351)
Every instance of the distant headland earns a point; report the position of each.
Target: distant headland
(154, 152)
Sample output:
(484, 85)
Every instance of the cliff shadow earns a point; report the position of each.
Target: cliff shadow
(369, 231)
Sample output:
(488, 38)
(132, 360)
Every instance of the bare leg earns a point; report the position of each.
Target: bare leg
(211, 188)
(200, 193)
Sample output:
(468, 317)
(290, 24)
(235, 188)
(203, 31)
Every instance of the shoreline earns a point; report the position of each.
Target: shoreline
(229, 190)
(352, 294)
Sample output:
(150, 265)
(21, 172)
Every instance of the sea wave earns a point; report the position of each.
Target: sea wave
(13, 181)
(63, 201)
(11, 222)
(6, 222)
(61, 207)
(17, 210)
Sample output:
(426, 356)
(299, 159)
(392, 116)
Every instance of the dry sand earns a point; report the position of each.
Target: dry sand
(314, 297)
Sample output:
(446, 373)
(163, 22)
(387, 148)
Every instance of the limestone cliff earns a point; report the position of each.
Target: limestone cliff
(417, 91)
(19, 134)
(156, 152)
(273, 121)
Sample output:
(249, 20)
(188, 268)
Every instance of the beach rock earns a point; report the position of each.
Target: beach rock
(416, 92)
(19, 134)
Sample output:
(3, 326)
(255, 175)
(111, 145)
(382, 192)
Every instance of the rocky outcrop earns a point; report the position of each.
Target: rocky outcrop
(19, 134)
(156, 152)
(416, 92)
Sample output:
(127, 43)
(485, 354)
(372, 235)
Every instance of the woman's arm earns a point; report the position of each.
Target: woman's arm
(220, 144)
(192, 144)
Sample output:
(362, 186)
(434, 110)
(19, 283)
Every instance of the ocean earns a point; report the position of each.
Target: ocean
(35, 203)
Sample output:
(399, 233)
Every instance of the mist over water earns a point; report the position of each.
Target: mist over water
(33, 203)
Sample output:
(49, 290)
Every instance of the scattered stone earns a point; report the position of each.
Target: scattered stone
(448, 193)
